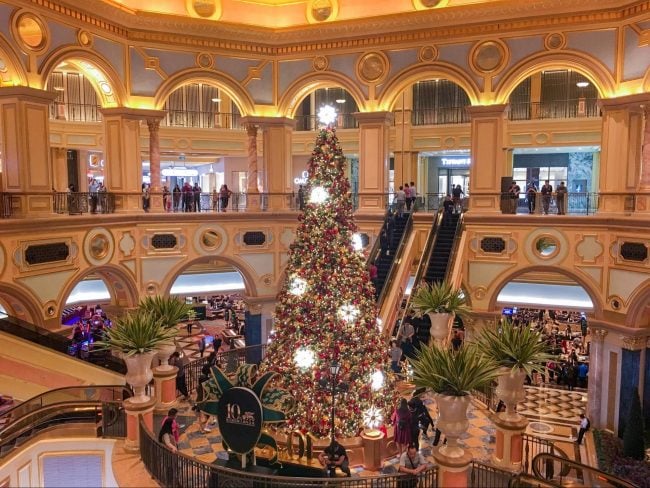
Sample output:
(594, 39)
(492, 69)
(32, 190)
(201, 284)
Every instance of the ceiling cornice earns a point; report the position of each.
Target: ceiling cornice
(507, 16)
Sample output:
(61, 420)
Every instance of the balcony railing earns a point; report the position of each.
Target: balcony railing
(83, 202)
(440, 116)
(75, 112)
(564, 109)
(202, 120)
(310, 122)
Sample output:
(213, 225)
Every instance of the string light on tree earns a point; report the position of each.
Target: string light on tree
(304, 358)
(318, 195)
(327, 114)
(298, 286)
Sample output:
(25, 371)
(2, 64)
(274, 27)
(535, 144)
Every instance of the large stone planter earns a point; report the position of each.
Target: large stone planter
(511, 390)
(163, 352)
(452, 421)
(440, 326)
(139, 374)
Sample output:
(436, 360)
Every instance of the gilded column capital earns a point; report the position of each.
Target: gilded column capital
(153, 125)
(251, 130)
(634, 343)
(598, 334)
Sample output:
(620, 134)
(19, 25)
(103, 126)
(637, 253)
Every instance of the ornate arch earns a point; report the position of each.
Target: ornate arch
(311, 82)
(439, 69)
(639, 302)
(72, 53)
(21, 303)
(593, 294)
(593, 69)
(249, 276)
(196, 75)
(15, 72)
(121, 285)
(646, 81)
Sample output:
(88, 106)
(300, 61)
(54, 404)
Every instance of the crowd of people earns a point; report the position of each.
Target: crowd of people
(545, 195)
(88, 330)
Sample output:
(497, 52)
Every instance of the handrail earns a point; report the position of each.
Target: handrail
(454, 247)
(542, 459)
(61, 395)
(423, 264)
(392, 271)
(177, 469)
(376, 246)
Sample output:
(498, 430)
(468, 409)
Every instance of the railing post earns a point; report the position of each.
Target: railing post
(508, 453)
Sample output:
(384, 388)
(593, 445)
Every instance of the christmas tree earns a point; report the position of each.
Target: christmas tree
(326, 311)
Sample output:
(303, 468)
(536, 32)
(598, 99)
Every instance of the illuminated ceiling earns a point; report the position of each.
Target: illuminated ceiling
(287, 15)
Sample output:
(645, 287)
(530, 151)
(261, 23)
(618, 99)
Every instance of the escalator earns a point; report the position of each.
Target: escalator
(384, 263)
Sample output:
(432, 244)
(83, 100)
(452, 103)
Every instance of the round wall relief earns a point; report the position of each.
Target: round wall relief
(210, 239)
(427, 4)
(488, 57)
(205, 9)
(372, 67)
(320, 63)
(30, 31)
(554, 40)
(204, 60)
(321, 10)
(428, 54)
(99, 246)
(546, 246)
(85, 38)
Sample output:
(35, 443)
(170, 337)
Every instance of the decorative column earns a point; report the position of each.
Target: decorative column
(123, 170)
(509, 448)
(277, 134)
(252, 191)
(60, 169)
(373, 160)
(156, 200)
(596, 376)
(620, 156)
(133, 412)
(165, 388)
(489, 157)
(643, 203)
(406, 160)
(372, 443)
(25, 142)
(630, 376)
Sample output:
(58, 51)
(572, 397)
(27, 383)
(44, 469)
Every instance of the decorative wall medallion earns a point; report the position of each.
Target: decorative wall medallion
(30, 31)
(85, 38)
(204, 60)
(488, 57)
(615, 302)
(127, 244)
(152, 288)
(372, 67)
(321, 63)
(428, 54)
(210, 240)
(267, 280)
(322, 10)
(479, 292)
(541, 138)
(206, 9)
(546, 246)
(427, 4)
(98, 246)
(555, 40)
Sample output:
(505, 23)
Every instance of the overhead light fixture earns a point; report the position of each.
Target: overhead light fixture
(216, 100)
(582, 84)
(340, 100)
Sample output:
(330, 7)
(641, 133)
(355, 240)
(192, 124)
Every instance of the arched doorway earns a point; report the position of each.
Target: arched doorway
(17, 303)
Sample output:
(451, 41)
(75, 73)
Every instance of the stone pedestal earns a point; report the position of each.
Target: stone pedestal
(453, 472)
(508, 452)
(165, 388)
(372, 440)
(133, 412)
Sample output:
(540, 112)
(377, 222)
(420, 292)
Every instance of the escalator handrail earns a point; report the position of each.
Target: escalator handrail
(376, 247)
(545, 457)
(454, 248)
(37, 402)
(422, 265)
(392, 271)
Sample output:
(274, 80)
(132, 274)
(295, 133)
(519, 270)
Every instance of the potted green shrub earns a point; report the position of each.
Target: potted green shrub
(441, 302)
(136, 337)
(519, 351)
(169, 311)
(452, 375)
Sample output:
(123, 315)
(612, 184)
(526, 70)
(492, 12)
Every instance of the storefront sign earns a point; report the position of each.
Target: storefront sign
(240, 419)
(303, 178)
(179, 172)
(455, 161)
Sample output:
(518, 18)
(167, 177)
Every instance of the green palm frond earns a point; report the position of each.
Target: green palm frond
(169, 310)
(136, 332)
(515, 347)
(452, 372)
(438, 298)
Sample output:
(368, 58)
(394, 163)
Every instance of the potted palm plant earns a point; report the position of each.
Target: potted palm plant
(452, 375)
(137, 337)
(169, 311)
(519, 351)
(441, 302)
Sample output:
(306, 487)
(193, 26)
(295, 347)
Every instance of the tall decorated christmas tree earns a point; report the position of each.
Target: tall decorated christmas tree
(326, 311)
